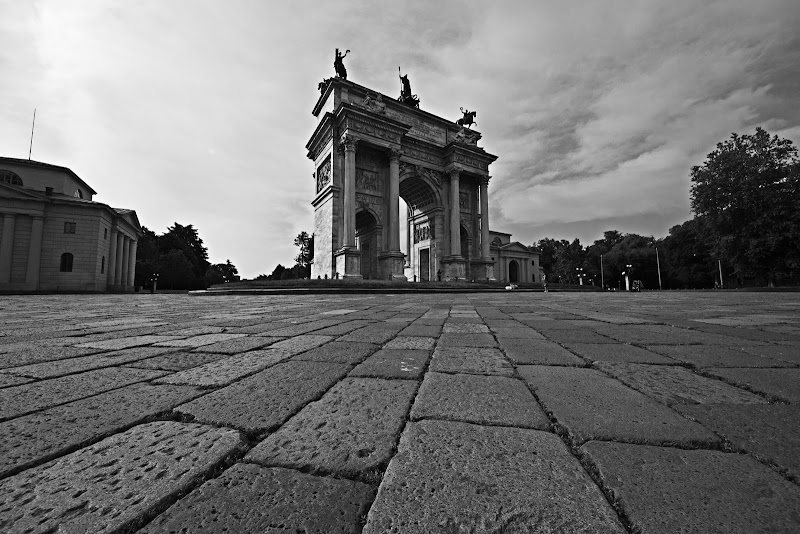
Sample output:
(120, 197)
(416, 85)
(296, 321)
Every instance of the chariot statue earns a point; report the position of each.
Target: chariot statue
(405, 91)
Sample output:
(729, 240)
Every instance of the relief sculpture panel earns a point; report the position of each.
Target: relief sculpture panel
(324, 175)
(367, 180)
(423, 232)
(463, 200)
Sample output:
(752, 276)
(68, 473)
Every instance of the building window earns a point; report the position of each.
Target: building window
(66, 263)
(105, 233)
(78, 193)
(10, 178)
(103, 265)
(69, 227)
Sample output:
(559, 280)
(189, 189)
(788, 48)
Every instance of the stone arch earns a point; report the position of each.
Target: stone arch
(419, 191)
(367, 233)
(513, 272)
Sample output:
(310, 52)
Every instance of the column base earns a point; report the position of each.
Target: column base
(482, 269)
(348, 263)
(391, 265)
(455, 268)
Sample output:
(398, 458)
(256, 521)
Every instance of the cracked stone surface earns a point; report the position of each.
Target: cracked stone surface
(393, 363)
(592, 405)
(336, 352)
(676, 385)
(783, 383)
(350, 431)
(109, 485)
(457, 477)
(177, 361)
(27, 398)
(477, 399)
(665, 490)
(471, 360)
(266, 399)
(715, 356)
(227, 370)
(278, 500)
(532, 351)
(620, 353)
(411, 342)
(42, 435)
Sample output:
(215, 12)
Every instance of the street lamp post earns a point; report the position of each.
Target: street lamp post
(580, 275)
(627, 275)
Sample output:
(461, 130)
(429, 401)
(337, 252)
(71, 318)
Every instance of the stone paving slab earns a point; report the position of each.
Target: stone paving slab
(177, 361)
(457, 477)
(470, 360)
(337, 352)
(665, 490)
(466, 340)
(677, 385)
(532, 351)
(782, 383)
(128, 342)
(302, 343)
(715, 356)
(112, 484)
(7, 380)
(235, 346)
(278, 500)
(267, 399)
(661, 335)
(351, 431)
(225, 371)
(421, 330)
(43, 435)
(574, 335)
(494, 400)
(393, 363)
(593, 406)
(199, 341)
(374, 333)
(26, 398)
(32, 353)
(465, 328)
(85, 363)
(776, 352)
(342, 328)
(771, 432)
(411, 343)
(620, 353)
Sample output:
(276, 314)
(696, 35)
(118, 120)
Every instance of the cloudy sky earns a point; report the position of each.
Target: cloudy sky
(199, 112)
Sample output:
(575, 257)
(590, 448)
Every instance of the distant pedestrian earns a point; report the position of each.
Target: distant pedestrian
(439, 275)
(544, 282)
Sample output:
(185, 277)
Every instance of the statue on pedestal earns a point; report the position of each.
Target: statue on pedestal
(338, 64)
(405, 91)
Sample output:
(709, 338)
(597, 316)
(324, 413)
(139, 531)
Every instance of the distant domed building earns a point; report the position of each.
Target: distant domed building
(54, 237)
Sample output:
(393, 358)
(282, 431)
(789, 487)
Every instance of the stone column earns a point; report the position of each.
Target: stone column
(112, 259)
(7, 247)
(485, 219)
(394, 200)
(132, 262)
(118, 266)
(349, 191)
(35, 253)
(455, 214)
(123, 280)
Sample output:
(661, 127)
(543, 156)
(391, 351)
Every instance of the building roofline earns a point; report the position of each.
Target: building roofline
(39, 164)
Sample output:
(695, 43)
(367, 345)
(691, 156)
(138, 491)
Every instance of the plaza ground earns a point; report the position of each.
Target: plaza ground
(654, 412)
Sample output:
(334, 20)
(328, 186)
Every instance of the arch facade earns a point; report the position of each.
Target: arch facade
(369, 151)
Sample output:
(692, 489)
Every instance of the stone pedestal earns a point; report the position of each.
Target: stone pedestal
(482, 270)
(348, 262)
(391, 265)
(455, 268)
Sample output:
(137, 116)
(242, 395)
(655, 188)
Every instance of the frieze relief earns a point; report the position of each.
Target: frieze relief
(376, 203)
(423, 233)
(323, 175)
(459, 158)
(423, 155)
(367, 180)
(374, 130)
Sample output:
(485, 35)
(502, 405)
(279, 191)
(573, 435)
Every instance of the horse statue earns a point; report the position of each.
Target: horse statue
(405, 91)
(468, 119)
(338, 64)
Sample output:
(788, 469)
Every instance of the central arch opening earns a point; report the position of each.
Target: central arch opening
(367, 243)
(417, 227)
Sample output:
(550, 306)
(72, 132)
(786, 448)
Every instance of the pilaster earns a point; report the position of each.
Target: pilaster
(35, 254)
(7, 247)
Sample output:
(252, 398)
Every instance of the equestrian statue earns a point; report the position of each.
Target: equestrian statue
(405, 91)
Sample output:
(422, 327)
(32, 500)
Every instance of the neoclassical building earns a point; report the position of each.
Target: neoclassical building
(514, 262)
(369, 150)
(54, 237)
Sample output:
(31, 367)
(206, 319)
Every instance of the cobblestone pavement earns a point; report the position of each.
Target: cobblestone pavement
(495, 412)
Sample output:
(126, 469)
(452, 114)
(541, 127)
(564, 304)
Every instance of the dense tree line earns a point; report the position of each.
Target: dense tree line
(179, 260)
(746, 228)
(303, 261)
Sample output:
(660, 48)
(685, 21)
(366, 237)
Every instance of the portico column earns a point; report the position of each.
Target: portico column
(118, 266)
(112, 258)
(132, 262)
(394, 200)
(349, 191)
(455, 214)
(123, 281)
(485, 219)
(35, 253)
(6, 247)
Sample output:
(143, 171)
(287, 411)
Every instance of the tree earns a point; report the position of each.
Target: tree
(221, 273)
(547, 254)
(306, 254)
(748, 194)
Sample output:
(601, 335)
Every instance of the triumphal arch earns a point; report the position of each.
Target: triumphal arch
(370, 150)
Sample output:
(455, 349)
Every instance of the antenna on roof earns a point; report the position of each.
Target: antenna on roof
(32, 126)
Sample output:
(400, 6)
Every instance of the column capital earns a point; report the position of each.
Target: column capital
(348, 143)
(454, 174)
(395, 154)
(484, 180)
